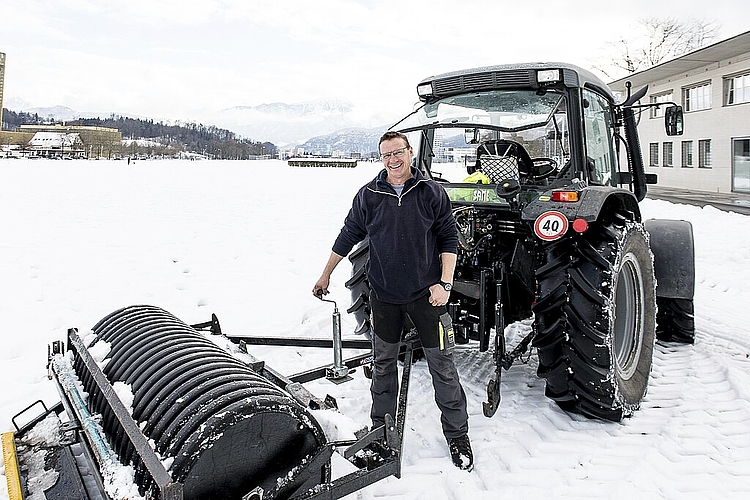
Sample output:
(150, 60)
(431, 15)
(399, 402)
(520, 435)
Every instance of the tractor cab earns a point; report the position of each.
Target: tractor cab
(531, 127)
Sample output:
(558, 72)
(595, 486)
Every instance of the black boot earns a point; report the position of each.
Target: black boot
(461, 453)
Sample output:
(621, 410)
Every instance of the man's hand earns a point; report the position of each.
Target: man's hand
(438, 295)
(321, 286)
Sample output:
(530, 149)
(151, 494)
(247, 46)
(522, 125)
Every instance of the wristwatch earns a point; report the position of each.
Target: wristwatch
(447, 286)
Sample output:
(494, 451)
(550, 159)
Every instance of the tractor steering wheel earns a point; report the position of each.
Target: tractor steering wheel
(544, 167)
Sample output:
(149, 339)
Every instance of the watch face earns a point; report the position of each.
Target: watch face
(448, 286)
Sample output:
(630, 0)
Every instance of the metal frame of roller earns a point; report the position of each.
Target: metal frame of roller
(192, 429)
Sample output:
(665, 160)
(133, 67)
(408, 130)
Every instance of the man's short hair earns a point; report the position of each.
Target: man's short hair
(393, 135)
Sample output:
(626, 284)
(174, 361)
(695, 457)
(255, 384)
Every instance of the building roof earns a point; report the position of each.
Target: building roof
(49, 140)
(66, 128)
(713, 54)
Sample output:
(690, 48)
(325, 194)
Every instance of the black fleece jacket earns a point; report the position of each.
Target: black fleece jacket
(407, 235)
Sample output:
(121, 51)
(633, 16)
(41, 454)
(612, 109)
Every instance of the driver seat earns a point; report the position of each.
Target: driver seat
(501, 159)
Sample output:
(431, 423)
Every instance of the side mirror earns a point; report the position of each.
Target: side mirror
(673, 120)
(471, 136)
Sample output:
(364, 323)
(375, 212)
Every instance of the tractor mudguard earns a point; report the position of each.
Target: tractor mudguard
(592, 201)
(674, 257)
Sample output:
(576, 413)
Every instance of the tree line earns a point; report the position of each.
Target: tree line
(166, 139)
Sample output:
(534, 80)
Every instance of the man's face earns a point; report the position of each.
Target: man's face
(397, 160)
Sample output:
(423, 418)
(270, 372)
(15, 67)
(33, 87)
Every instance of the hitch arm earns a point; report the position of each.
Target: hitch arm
(490, 406)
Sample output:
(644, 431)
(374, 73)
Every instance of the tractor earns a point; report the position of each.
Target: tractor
(550, 228)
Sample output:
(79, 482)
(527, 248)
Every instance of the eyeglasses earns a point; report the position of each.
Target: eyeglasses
(398, 153)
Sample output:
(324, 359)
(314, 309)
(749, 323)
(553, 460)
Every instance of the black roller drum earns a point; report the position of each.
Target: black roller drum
(222, 428)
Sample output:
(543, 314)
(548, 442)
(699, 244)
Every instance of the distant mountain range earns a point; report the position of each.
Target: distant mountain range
(352, 140)
(293, 124)
(63, 113)
(320, 126)
(57, 112)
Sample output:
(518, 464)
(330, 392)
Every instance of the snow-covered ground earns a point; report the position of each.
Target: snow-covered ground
(247, 241)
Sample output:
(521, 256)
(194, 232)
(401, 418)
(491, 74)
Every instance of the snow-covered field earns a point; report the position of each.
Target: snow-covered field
(247, 241)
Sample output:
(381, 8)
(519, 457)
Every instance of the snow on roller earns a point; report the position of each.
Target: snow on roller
(227, 428)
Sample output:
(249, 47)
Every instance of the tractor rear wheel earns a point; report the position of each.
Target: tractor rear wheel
(595, 319)
(360, 289)
(675, 321)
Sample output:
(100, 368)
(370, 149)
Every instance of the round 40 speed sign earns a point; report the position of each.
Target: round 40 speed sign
(551, 225)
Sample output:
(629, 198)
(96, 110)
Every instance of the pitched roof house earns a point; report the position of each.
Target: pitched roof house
(57, 145)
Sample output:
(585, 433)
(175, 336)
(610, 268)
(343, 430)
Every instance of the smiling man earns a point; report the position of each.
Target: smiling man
(413, 243)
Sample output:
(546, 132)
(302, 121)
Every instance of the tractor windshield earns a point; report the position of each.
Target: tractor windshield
(464, 124)
(509, 111)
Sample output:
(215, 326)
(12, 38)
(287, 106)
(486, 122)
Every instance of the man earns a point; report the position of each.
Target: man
(413, 244)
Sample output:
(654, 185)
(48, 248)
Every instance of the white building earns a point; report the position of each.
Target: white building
(57, 145)
(712, 85)
(458, 155)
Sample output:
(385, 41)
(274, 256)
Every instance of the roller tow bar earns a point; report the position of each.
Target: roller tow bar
(201, 422)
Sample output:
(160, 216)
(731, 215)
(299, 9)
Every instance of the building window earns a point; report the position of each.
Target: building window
(661, 98)
(697, 98)
(741, 165)
(687, 154)
(737, 89)
(667, 160)
(704, 153)
(653, 154)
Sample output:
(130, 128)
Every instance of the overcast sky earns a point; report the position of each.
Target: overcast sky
(186, 59)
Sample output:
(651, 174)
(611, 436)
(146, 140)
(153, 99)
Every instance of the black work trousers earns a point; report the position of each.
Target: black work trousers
(388, 324)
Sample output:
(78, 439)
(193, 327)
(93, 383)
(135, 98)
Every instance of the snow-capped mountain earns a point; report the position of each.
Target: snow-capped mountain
(352, 140)
(62, 113)
(310, 108)
(283, 123)
(59, 112)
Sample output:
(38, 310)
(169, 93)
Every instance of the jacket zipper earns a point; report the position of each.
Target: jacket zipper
(398, 197)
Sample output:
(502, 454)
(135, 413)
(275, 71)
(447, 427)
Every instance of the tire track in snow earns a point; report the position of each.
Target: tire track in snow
(693, 422)
(701, 414)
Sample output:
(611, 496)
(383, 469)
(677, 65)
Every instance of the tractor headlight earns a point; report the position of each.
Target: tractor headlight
(424, 90)
(548, 76)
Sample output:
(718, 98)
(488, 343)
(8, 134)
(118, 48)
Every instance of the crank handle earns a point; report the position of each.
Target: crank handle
(319, 294)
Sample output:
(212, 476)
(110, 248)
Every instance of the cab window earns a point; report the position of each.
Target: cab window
(600, 140)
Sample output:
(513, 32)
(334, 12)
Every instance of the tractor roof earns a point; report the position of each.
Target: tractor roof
(509, 76)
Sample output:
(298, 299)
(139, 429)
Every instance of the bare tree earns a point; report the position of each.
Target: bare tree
(657, 40)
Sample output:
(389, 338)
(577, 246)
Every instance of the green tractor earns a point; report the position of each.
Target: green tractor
(549, 227)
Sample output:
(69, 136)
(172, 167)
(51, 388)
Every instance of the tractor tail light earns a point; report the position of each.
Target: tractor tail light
(566, 196)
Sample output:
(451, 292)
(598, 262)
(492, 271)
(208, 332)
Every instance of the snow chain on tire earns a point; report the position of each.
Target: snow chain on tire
(595, 319)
